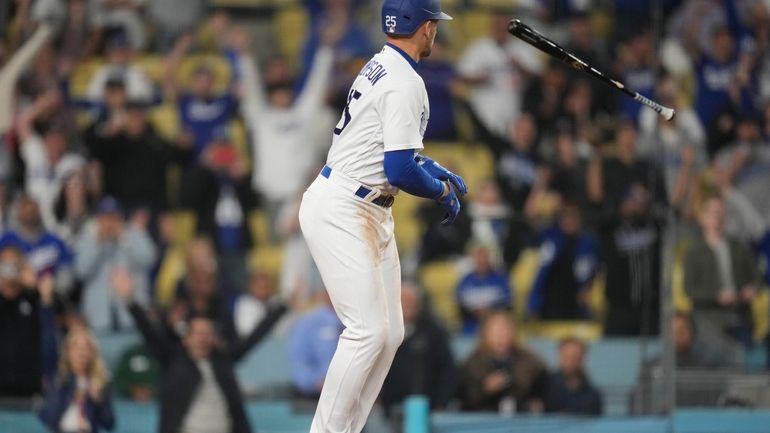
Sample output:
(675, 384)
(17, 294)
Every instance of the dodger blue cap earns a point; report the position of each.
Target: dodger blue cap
(403, 17)
(109, 205)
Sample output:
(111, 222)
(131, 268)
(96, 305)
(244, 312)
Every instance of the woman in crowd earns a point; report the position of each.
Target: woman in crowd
(80, 399)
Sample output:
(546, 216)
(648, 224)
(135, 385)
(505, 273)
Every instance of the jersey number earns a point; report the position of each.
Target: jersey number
(352, 96)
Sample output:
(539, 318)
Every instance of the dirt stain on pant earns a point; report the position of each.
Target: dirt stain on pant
(370, 226)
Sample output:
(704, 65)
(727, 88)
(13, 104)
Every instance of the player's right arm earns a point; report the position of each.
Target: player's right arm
(406, 174)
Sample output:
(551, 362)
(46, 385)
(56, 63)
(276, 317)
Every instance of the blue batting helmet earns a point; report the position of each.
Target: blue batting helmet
(403, 17)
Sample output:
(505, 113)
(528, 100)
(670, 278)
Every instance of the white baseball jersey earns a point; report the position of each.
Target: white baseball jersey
(387, 110)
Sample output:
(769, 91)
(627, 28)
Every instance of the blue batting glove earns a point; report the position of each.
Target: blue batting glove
(451, 204)
(436, 170)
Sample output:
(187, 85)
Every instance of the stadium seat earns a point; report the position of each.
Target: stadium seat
(267, 258)
(259, 225)
(81, 76)
(557, 330)
(522, 277)
(222, 72)
(439, 279)
(472, 161)
(165, 119)
(468, 25)
(407, 226)
(171, 270)
(294, 24)
(152, 66)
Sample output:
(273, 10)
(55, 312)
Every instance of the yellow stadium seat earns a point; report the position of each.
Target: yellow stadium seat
(440, 280)
(259, 225)
(681, 301)
(152, 66)
(240, 140)
(407, 226)
(165, 118)
(497, 4)
(522, 277)
(266, 258)
(597, 301)
(184, 222)
(172, 269)
(760, 310)
(473, 162)
(470, 25)
(81, 76)
(584, 330)
(241, 3)
(291, 27)
(222, 72)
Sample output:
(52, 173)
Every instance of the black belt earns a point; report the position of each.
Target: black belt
(385, 201)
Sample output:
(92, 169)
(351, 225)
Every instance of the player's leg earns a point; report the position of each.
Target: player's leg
(341, 235)
(391, 274)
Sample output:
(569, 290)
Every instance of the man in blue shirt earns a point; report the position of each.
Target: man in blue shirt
(722, 80)
(569, 258)
(481, 291)
(312, 343)
(202, 111)
(45, 252)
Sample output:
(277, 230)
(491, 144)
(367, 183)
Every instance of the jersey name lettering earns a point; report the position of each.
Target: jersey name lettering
(373, 71)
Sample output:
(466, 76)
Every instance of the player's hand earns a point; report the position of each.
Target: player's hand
(450, 203)
(436, 170)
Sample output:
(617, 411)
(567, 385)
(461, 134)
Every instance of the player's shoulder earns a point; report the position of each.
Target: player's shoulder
(399, 70)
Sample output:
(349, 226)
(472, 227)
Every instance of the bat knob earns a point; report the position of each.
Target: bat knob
(667, 113)
(513, 25)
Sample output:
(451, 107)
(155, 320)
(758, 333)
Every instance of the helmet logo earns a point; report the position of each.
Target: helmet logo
(390, 23)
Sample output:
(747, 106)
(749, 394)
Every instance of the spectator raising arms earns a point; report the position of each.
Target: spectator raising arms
(202, 110)
(497, 67)
(198, 390)
(46, 154)
(502, 375)
(80, 399)
(112, 245)
(281, 125)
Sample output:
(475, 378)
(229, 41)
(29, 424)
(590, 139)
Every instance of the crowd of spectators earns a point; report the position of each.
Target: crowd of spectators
(94, 188)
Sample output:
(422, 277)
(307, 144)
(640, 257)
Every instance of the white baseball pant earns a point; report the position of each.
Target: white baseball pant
(352, 243)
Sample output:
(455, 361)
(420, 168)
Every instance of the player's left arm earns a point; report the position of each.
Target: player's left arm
(404, 173)
(439, 172)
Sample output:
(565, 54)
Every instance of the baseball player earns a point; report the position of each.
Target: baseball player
(345, 214)
(346, 218)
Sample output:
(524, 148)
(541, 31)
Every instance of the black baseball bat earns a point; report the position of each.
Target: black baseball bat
(537, 40)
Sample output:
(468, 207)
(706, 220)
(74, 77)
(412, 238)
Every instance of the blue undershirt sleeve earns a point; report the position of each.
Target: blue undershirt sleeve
(404, 173)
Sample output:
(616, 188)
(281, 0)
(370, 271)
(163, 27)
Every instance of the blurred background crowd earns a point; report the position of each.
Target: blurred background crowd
(153, 154)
